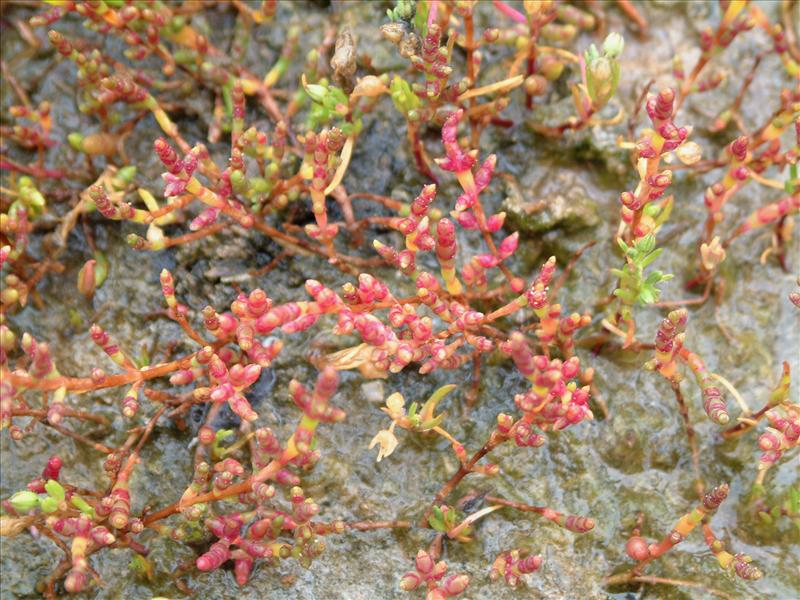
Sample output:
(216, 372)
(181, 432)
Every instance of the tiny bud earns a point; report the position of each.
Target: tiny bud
(455, 584)
(369, 86)
(504, 422)
(741, 173)
(768, 441)
(712, 254)
(535, 85)
(52, 468)
(530, 564)
(637, 548)
(551, 67)
(689, 153)
(75, 581)
(206, 435)
(87, 281)
(613, 45)
(738, 148)
(424, 562)
(495, 222)
(410, 581)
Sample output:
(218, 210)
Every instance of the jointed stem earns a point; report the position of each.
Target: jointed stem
(495, 439)
(690, 434)
(623, 578)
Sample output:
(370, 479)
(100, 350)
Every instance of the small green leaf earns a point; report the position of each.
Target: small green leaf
(222, 434)
(336, 96)
(591, 54)
(412, 410)
(403, 98)
(431, 423)
(664, 213)
(650, 257)
(648, 295)
(440, 393)
(436, 524)
(82, 505)
(24, 501)
(426, 413)
(436, 520)
(450, 518)
(421, 18)
(625, 295)
(316, 92)
(143, 360)
(48, 504)
(55, 490)
(100, 268)
(647, 243)
(791, 183)
(794, 499)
